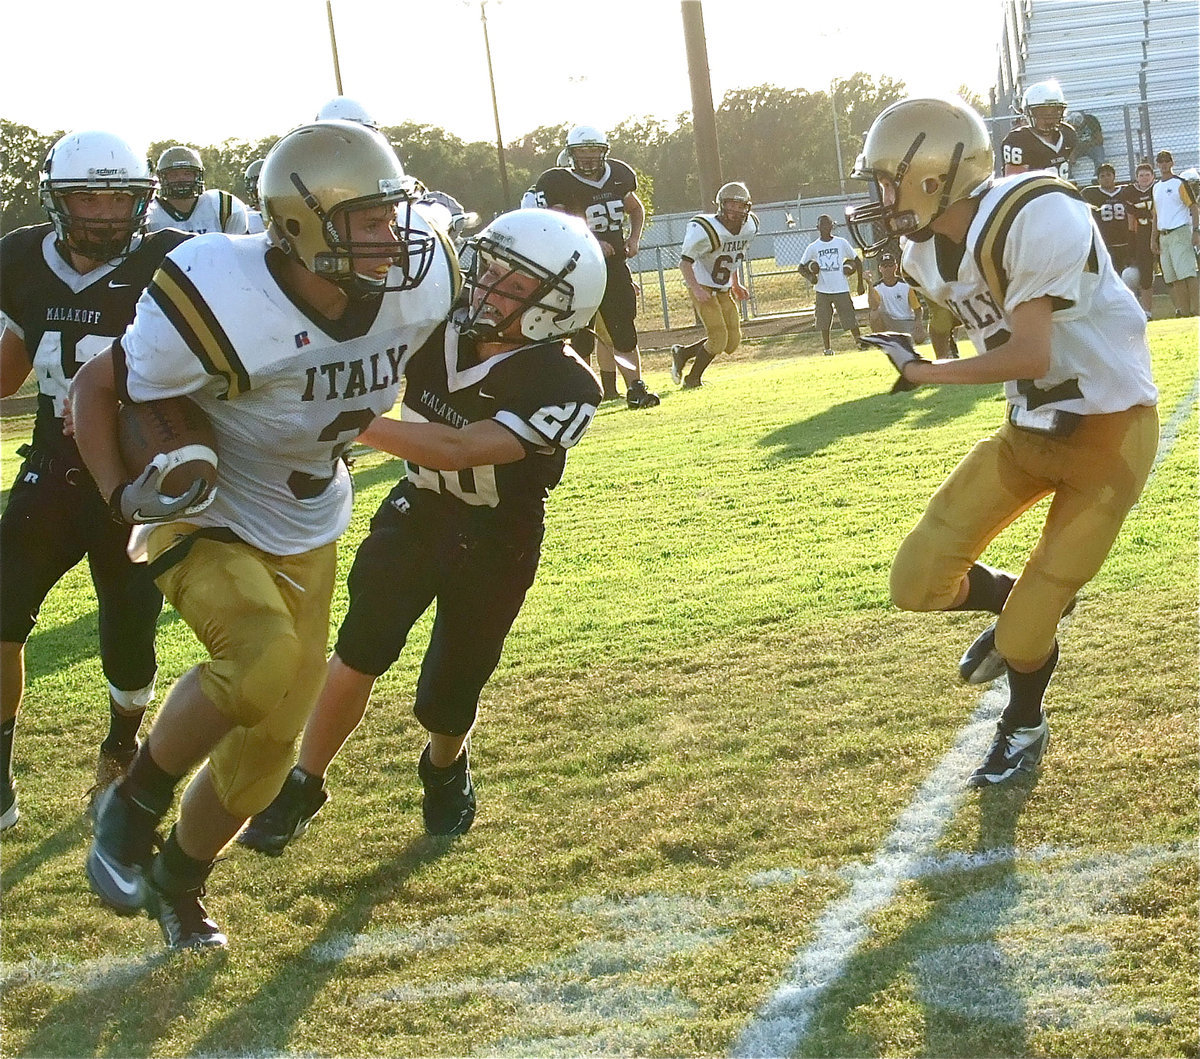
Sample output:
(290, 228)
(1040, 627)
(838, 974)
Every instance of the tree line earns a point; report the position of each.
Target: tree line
(778, 141)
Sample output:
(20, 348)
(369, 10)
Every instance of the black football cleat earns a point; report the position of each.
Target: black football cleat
(288, 816)
(1013, 750)
(448, 807)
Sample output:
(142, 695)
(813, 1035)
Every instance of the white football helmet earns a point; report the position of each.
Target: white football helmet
(587, 162)
(554, 248)
(346, 109)
(564, 158)
(315, 175)
(250, 179)
(95, 161)
(180, 173)
(1048, 95)
(929, 153)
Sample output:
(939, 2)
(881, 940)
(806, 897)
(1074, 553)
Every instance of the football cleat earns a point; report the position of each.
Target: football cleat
(9, 813)
(829, 352)
(288, 816)
(123, 841)
(1013, 750)
(981, 663)
(449, 803)
(184, 921)
(678, 363)
(692, 384)
(637, 396)
(111, 765)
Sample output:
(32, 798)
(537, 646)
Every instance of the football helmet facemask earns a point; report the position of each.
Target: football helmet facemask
(180, 174)
(1044, 105)
(733, 205)
(250, 179)
(588, 148)
(95, 161)
(314, 177)
(553, 248)
(920, 155)
(346, 109)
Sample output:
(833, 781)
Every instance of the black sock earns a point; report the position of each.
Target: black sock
(988, 589)
(175, 872)
(694, 349)
(1025, 693)
(147, 785)
(703, 360)
(7, 731)
(122, 729)
(608, 381)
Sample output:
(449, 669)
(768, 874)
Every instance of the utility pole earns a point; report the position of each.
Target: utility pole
(704, 121)
(495, 106)
(337, 70)
(837, 138)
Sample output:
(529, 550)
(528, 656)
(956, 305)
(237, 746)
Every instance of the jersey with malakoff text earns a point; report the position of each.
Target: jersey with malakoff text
(1025, 147)
(1033, 237)
(714, 251)
(600, 202)
(287, 390)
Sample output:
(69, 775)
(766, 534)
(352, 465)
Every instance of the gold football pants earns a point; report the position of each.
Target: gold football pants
(264, 620)
(1095, 475)
(722, 323)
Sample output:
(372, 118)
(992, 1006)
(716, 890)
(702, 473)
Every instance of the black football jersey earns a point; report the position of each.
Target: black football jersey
(67, 318)
(1140, 205)
(1110, 213)
(600, 202)
(543, 393)
(1025, 147)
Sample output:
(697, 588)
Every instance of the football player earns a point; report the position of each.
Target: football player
(1138, 198)
(290, 364)
(603, 191)
(1108, 208)
(714, 246)
(492, 404)
(254, 219)
(70, 286)
(828, 262)
(181, 201)
(1022, 265)
(1047, 142)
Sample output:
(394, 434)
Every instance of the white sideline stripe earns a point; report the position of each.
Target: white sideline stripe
(780, 1024)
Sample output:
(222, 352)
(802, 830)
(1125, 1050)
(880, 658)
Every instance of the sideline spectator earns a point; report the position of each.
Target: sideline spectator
(1108, 208)
(1139, 203)
(828, 262)
(1176, 235)
(894, 305)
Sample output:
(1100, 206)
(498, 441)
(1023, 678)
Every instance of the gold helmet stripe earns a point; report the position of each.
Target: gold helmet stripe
(190, 315)
(713, 238)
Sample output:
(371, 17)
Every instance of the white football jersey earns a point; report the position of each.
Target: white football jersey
(830, 254)
(714, 251)
(1033, 237)
(287, 392)
(214, 211)
(254, 221)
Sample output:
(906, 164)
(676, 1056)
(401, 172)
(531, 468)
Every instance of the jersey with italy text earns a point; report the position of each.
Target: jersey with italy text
(214, 211)
(714, 251)
(287, 390)
(600, 202)
(543, 393)
(65, 318)
(1033, 237)
(1025, 147)
(1108, 207)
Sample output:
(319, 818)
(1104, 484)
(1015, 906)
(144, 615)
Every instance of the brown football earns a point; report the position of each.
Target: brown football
(166, 426)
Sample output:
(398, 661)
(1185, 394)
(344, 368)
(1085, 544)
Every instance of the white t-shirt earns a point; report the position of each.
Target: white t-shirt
(830, 254)
(1172, 203)
(1033, 237)
(896, 300)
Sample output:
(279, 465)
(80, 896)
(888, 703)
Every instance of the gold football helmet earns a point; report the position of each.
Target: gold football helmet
(920, 155)
(317, 174)
(733, 204)
(180, 173)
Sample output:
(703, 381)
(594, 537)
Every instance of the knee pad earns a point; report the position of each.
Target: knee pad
(248, 768)
(250, 681)
(919, 579)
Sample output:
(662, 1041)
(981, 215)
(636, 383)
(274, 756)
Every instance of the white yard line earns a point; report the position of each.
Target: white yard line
(781, 1023)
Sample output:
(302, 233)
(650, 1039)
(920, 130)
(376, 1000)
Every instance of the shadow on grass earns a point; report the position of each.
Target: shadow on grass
(880, 970)
(867, 415)
(51, 649)
(71, 837)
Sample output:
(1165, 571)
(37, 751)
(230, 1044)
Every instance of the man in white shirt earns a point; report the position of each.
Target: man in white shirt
(1175, 235)
(894, 305)
(829, 261)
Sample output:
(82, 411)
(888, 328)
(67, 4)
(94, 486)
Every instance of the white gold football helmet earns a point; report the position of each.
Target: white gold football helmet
(346, 109)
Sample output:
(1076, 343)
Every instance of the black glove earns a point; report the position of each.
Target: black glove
(899, 349)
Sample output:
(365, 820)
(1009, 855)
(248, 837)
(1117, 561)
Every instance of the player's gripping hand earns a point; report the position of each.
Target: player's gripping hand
(899, 349)
(138, 500)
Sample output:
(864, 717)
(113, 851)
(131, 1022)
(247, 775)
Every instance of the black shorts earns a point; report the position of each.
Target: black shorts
(619, 307)
(1122, 256)
(1143, 258)
(54, 518)
(419, 550)
(826, 303)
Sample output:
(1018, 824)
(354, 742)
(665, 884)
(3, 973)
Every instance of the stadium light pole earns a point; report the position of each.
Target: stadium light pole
(337, 70)
(704, 121)
(487, 47)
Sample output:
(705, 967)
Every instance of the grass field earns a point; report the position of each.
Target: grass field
(720, 781)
